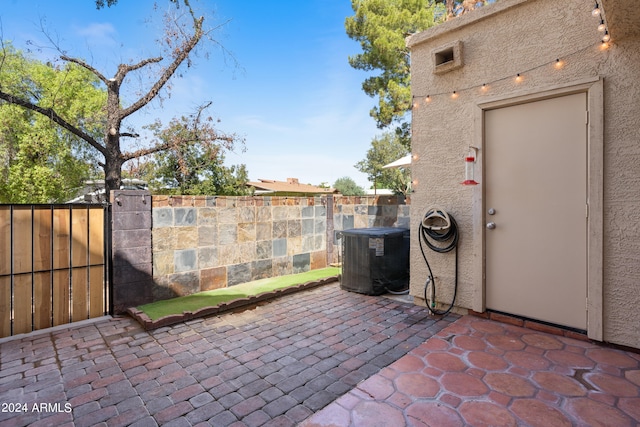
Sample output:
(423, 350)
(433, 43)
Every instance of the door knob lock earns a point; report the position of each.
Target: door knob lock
(491, 225)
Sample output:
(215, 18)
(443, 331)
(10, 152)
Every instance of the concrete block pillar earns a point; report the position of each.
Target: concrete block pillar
(131, 249)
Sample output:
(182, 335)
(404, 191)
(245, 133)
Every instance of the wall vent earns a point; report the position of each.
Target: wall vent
(444, 56)
(447, 58)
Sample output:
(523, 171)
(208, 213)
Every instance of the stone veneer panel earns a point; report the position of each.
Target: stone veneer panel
(207, 257)
(279, 247)
(185, 260)
(207, 216)
(247, 232)
(264, 249)
(162, 217)
(207, 235)
(213, 278)
(206, 242)
(238, 273)
(185, 217)
(264, 230)
(301, 263)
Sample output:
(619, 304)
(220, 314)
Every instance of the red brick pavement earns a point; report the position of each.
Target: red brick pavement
(482, 373)
(275, 364)
(320, 357)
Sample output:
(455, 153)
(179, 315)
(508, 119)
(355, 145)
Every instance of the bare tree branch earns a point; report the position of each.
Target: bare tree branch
(146, 151)
(53, 116)
(127, 68)
(180, 56)
(199, 113)
(83, 64)
(168, 145)
(194, 137)
(129, 135)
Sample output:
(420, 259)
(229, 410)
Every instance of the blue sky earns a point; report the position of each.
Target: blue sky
(293, 96)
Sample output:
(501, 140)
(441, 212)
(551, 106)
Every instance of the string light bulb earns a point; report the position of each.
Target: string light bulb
(596, 10)
(519, 77)
(602, 26)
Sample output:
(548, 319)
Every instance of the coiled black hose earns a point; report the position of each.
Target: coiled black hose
(442, 241)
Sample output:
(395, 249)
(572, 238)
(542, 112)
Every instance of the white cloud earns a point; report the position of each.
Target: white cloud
(98, 33)
(261, 123)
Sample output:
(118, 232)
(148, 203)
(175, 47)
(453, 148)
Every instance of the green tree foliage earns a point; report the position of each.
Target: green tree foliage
(183, 34)
(384, 150)
(348, 187)
(380, 26)
(193, 161)
(39, 161)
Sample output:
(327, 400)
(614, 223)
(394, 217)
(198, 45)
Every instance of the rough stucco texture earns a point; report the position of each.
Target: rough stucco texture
(622, 177)
(509, 37)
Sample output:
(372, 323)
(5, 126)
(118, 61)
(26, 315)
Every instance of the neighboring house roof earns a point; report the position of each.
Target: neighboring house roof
(291, 186)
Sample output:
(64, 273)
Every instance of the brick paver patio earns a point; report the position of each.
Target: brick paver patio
(479, 372)
(323, 357)
(275, 364)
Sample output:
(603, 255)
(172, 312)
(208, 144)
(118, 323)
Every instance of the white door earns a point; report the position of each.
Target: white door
(536, 210)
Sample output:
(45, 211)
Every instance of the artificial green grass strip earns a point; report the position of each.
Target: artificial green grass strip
(158, 309)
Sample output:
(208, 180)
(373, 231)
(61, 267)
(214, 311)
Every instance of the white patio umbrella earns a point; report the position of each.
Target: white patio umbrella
(404, 161)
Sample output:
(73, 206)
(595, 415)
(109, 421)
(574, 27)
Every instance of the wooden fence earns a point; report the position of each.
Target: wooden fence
(52, 266)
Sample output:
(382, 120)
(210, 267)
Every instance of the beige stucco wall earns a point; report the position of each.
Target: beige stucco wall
(499, 41)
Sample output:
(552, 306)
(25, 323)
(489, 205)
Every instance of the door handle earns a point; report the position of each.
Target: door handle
(491, 225)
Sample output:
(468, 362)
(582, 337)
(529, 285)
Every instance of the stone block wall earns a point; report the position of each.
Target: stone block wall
(209, 242)
(168, 246)
(365, 212)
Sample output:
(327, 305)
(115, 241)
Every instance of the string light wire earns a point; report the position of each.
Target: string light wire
(558, 63)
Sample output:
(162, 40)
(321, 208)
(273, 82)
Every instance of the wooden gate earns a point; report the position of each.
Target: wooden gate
(53, 265)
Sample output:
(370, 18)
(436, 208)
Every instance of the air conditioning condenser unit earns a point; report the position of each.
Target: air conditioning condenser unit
(375, 260)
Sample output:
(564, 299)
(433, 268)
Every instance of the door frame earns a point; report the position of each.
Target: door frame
(593, 88)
